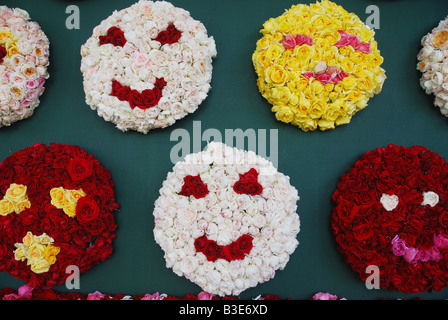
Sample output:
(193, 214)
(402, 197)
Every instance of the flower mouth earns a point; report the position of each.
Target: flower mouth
(236, 250)
(326, 74)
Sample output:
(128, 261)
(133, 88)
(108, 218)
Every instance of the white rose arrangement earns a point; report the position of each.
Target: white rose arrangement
(146, 66)
(24, 58)
(226, 219)
(433, 63)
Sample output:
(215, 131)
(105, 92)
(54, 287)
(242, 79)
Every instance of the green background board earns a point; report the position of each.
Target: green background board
(401, 114)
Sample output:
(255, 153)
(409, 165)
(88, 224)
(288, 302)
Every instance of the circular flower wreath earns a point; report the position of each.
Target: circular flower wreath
(24, 53)
(147, 66)
(391, 211)
(317, 65)
(56, 205)
(433, 63)
(226, 219)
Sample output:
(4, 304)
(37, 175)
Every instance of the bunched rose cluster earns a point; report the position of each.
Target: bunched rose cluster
(68, 219)
(24, 58)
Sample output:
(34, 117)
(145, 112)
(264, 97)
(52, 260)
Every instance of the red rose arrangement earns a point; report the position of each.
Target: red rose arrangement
(148, 98)
(56, 205)
(236, 250)
(391, 211)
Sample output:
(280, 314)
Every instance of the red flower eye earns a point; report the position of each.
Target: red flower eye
(114, 36)
(194, 186)
(170, 35)
(248, 183)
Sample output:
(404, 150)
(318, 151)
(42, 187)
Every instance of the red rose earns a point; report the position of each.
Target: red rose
(193, 186)
(173, 34)
(123, 93)
(2, 53)
(86, 210)
(149, 97)
(200, 243)
(79, 169)
(135, 99)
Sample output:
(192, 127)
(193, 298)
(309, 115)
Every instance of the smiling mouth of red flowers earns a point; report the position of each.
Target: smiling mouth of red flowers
(237, 250)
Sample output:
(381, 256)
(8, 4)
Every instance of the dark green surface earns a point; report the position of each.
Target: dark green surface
(402, 114)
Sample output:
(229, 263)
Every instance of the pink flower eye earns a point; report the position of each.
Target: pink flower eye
(248, 183)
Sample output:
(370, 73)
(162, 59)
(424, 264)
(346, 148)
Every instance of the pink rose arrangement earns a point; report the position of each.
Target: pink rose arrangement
(24, 53)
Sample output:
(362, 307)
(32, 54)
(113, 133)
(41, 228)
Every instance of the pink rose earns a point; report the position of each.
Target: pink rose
(95, 296)
(411, 256)
(205, 296)
(441, 241)
(289, 42)
(398, 246)
(325, 78)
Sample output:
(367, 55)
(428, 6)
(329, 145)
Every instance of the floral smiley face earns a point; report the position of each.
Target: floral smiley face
(391, 211)
(56, 205)
(226, 219)
(24, 58)
(147, 66)
(317, 65)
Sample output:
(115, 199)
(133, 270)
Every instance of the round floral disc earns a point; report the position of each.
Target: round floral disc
(56, 205)
(391, 215)
(147, 66)
(433, 63)
(226, 219)
(24, 53)
(317, 65)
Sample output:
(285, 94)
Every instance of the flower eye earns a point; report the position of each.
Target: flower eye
(194, 186)
(390, 202)
(170, 35)
(248, 183)
(114, 36)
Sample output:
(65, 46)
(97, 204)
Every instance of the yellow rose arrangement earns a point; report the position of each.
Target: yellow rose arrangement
(38, 251)
(15, 200)
(66, 199)
(317, 65)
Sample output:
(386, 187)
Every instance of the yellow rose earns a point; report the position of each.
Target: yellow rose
(50, 253)
(28, 239)
(325, 124)
(355, 94)
(293, 64)
(274, 52)
(303, 54)
(5, 35)
(308, 125)
(317, 109)
(58, 197)
(332, 112)
(6, 207)
(365, 81)
(316, 87)
(276, 74)
(70, 209)
(357, 56)
(18, 254)
(16, 192)
(343, 120)
(283, 113)
(22, 205)
(347, 65)
(375, 59)
(35, 252)
(40, 266)
(264, 42)
(282, 94)
(44, 239)
(348, 83)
